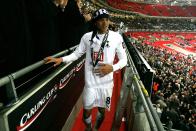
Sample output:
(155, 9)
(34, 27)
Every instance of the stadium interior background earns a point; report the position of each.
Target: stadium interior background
(163, 31)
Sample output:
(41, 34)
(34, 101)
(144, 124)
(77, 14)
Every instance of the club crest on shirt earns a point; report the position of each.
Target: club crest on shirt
(95, 55)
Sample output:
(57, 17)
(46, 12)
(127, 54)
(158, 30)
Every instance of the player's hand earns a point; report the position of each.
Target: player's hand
(87, 17)
(103, 69)
(61, 3)
(56, 61)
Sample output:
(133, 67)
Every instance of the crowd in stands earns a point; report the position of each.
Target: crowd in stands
(184, 41)
(167, 2)
(158, 24)
(174, 88)
(133, 21)
(154, 9)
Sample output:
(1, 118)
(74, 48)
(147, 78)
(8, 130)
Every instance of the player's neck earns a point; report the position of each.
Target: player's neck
(102, 31)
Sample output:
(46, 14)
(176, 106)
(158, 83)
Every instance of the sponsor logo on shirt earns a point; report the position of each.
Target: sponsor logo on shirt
(95, 55)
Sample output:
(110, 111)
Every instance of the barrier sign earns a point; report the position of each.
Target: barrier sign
(48, 104)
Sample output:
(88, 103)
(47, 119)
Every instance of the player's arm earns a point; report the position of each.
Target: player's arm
(80, 50)
(121, 56)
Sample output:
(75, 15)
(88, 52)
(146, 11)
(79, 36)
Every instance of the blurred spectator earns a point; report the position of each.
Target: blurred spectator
(71, 24)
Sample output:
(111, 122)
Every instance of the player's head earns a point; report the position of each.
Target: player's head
(100, 13)
(101, 20)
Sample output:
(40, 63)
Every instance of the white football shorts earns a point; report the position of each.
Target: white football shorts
(97, 97)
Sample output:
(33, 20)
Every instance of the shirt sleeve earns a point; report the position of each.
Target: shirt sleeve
(121, 56)
(80, 50)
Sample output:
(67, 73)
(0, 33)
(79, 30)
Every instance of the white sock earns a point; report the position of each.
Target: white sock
(99, 115)
(88, 120)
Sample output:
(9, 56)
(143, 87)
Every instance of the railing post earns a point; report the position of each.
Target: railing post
(139, 105)
(11, 91)
(142, 106)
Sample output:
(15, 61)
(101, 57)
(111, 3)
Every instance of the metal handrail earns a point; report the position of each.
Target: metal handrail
(151, 114)
(141, 91)
(145, 105)
(146, 100)
(136, 87)
(5, 80)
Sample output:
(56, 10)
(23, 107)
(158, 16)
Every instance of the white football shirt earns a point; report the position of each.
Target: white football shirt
(112, 47)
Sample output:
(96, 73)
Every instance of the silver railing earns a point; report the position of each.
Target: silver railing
(8, 80)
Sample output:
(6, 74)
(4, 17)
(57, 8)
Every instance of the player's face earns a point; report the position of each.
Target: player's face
(102, 25)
